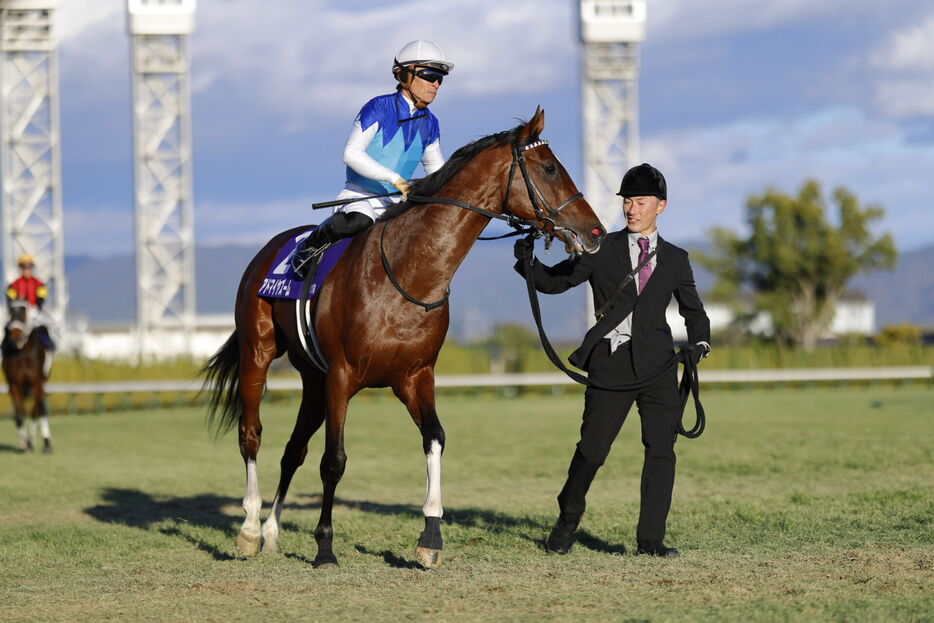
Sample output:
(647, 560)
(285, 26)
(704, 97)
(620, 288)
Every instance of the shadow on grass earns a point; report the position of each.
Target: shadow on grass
(389, 558)
(8, 448)
(180, 516)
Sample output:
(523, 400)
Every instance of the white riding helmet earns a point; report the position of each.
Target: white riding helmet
(424, 53)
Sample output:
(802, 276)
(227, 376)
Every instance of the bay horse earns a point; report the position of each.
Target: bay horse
(370, 331)
(26, 364)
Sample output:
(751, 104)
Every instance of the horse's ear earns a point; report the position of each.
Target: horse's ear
(531, 130)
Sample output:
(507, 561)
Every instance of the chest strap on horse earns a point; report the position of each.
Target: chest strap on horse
(690, 384)
(392, 278)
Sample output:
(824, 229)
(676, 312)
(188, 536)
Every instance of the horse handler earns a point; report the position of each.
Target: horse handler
(629, 342)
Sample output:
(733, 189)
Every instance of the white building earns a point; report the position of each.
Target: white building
(855, 314)
(121, 343)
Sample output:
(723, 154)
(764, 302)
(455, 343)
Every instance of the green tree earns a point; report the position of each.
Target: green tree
(796, 262)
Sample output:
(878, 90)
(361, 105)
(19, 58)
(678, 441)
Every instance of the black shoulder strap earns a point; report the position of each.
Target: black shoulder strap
(600, 313)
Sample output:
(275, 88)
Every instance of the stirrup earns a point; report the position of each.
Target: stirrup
(305, 258)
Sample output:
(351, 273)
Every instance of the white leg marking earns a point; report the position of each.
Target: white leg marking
(23, 437)
(32, 430)
(271, 526)
(44, 427)
(252, 502)
(432, 507)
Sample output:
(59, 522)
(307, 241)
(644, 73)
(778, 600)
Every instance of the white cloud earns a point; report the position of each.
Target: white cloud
(76, 17)
(710, 18)
(305, 58)
(712, 171)
(903, 87)
(910, 49)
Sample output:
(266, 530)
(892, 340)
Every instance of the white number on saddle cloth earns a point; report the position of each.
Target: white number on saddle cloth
(287, 262)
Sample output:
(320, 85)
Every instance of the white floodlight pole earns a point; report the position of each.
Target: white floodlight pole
(165, 263)
(610, 33)
(30, 157)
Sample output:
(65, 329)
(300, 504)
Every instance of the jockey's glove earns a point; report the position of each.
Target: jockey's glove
(403, 187)
(523, 249)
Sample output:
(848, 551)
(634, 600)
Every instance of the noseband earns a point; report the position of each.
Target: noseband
(544, 214)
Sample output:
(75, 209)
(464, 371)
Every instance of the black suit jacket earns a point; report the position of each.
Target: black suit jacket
(605, 269)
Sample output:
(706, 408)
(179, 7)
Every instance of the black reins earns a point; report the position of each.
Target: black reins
(690, 384)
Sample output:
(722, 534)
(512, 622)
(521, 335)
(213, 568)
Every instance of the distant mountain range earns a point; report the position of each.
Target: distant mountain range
(485, 292)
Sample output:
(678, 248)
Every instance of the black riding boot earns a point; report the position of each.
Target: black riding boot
(341, 225)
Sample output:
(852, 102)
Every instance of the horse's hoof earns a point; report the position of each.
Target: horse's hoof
(270, 547)
(47, 450)
(248, 545)
(428, 558)
(328, 561)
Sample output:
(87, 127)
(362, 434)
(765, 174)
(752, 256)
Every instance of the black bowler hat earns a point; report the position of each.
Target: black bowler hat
(643, 181)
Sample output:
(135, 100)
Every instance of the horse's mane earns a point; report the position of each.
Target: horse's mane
(430, 185)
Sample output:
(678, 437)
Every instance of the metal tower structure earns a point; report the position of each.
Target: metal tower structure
(165, 262)
(610, 32)
(30, 159)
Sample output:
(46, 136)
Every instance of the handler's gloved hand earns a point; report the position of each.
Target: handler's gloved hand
(699, 352)
(523, 249)
(403, 187)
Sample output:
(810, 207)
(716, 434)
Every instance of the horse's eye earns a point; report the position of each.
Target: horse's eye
(550, 168)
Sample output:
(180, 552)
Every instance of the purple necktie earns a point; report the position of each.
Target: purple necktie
(646, 271)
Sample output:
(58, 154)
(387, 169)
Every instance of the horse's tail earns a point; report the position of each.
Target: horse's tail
(222, 384)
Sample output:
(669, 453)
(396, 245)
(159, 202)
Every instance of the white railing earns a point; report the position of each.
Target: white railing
(781, 375)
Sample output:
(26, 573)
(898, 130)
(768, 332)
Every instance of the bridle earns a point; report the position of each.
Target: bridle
(544, 214)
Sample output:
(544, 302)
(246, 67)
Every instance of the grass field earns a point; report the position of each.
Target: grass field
(811, 505)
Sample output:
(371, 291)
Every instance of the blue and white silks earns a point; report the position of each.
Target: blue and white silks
(388, 140)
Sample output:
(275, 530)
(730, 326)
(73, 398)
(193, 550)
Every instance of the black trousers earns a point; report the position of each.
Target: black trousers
(604, 413)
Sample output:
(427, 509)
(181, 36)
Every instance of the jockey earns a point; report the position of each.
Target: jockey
(390, 136)
(30, 289)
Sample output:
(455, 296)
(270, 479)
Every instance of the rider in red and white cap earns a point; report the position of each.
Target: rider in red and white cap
(391, 135)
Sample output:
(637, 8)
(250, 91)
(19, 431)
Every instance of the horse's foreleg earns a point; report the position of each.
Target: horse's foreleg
(254, 362)
(309, 419)
(418, 395)
(41, 413)
(332, 463)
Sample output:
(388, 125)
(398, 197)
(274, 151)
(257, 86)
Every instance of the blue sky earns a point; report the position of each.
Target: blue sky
(736, 95)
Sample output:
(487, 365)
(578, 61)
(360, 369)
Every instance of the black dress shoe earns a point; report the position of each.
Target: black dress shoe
(657, 548)
(561, 539)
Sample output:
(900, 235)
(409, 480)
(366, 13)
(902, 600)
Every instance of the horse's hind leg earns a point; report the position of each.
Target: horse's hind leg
(255, 357)
(309, 419)
(417, 393)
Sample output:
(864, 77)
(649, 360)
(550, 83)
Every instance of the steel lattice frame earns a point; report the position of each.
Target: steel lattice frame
(609, 90)
(610, 106)
(164, 214)
(29, 147)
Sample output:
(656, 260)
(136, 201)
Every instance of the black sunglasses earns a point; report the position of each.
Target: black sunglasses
(430, 75)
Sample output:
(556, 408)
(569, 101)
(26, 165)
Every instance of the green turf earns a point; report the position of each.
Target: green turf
(793, 506)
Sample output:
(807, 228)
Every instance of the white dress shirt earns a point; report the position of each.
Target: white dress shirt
(622, 333)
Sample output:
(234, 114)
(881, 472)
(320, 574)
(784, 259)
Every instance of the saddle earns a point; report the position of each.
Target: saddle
(282, 282)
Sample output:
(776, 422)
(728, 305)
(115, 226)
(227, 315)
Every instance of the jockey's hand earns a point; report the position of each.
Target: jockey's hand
(522, 249)
(403, 187)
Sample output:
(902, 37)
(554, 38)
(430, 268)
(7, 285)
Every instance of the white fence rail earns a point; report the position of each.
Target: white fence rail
(785, 375)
